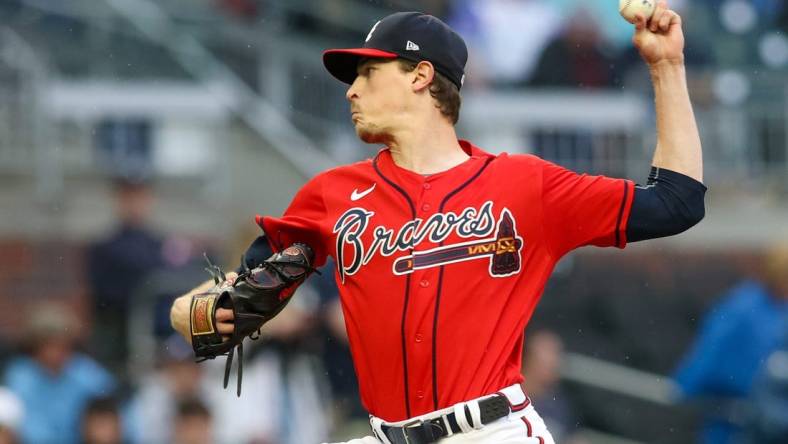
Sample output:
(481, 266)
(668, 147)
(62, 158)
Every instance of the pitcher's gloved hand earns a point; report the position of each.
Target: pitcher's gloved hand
(254, 297)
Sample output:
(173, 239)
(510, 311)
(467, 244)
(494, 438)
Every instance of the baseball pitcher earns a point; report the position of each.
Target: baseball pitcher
(442, 249)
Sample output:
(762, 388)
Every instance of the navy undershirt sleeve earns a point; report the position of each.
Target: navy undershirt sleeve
(668, 204)
(257, 252)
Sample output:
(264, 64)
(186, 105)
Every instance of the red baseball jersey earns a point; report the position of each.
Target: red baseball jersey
(438, 275)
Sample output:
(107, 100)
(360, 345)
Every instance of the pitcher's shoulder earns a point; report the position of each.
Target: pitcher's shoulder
(520, 161)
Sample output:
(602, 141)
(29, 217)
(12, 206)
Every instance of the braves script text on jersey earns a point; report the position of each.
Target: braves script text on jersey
(438, 275)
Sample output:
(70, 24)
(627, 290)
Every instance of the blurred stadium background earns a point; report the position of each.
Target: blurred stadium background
(136, 134)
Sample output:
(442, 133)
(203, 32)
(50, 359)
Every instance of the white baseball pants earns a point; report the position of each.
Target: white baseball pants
(519, 427)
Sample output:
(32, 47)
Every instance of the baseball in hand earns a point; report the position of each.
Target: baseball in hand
(628, 8)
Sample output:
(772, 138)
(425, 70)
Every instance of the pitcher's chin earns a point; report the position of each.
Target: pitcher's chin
(368, 135)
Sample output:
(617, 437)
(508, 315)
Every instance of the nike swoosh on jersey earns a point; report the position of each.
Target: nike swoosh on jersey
(356, 195)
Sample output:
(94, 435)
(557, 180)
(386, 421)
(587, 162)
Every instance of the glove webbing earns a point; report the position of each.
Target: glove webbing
(275, 265)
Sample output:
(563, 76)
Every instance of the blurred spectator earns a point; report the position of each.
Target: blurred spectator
(11, 416)
(116, 268)
(578, 57)
(501, 53)
(542, 357)
(282, 378)
(193, 423)
(768, 422)
(155, 405)
(101, 423)
(614, 31)
(733, 342)
(53, 379)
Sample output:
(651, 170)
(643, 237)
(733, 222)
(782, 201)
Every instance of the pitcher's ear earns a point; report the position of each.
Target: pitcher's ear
(423, 75)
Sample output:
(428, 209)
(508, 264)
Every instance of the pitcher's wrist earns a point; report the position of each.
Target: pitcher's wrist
(666, 64)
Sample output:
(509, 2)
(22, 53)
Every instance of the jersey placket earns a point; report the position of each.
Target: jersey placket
(420, 313)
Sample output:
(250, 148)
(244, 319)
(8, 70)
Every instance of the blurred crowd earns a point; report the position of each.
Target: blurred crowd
(553, 43)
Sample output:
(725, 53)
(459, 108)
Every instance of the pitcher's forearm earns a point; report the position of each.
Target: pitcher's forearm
(179, 313)
(678, 141)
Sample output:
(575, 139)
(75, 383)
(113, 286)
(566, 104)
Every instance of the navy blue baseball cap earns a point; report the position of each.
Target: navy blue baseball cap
(408, 35)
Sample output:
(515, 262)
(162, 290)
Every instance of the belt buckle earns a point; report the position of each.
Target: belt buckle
(408, 425)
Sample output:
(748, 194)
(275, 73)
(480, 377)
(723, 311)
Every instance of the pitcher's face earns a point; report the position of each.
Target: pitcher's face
(379, 99)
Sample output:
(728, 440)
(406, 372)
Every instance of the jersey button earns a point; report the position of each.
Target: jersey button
(424, 283)
(427, 186)
(419, 337)
(420, 394)
(425, 207)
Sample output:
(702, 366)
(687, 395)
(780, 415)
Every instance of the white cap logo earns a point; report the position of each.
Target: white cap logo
(369, 36)
(410, 46)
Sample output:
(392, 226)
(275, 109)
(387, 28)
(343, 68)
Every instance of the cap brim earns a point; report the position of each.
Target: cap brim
(342, 63)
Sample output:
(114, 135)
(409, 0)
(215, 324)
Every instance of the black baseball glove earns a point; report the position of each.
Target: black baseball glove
(255, 297)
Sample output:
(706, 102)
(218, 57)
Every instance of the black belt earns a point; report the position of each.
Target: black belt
(431, 430)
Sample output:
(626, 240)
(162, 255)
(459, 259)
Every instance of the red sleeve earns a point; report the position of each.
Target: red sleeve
(584, 210)
(302, 222)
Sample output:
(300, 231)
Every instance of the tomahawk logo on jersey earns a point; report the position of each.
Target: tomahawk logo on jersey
(416, 254)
